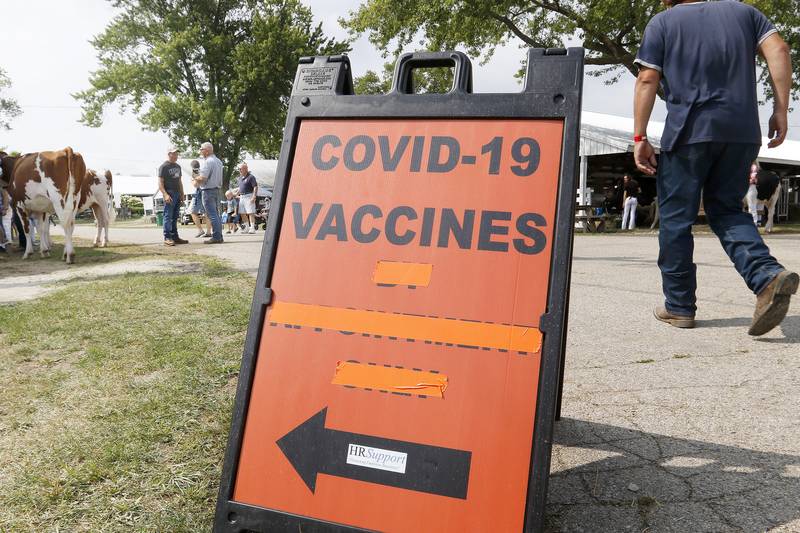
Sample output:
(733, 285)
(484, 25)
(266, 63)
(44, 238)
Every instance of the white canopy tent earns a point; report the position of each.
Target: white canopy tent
(603, 134)
(146, 187)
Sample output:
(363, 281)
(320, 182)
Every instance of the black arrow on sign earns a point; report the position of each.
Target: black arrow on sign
(312, 448)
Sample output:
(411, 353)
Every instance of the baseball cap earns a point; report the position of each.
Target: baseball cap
(173, 150)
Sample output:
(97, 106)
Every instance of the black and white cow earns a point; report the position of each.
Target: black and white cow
(766, 192)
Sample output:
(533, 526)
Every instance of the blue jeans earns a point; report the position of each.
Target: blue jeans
(197, 202)
(171, 212)
(211, 206)
(718, 171)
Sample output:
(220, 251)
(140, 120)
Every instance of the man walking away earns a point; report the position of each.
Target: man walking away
(210, 178)
(703, 53)
(171, 187)
(248, 191)
(630, 201)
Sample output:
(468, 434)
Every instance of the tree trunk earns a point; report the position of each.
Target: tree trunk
(229, 163)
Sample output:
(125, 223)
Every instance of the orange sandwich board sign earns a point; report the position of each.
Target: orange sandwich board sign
(403, 356)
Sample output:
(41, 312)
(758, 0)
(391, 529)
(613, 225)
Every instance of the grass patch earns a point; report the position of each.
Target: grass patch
(116, 401)
(681, 356)
(645, 361)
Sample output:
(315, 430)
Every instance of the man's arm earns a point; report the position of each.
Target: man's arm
(180, 187)
(644, 96)
(167, 197)
(776, 52)
(203, 172)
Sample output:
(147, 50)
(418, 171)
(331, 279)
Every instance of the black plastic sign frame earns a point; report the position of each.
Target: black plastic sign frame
(323, 89)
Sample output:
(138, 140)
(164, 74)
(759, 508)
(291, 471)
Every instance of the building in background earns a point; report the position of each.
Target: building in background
(606, 152)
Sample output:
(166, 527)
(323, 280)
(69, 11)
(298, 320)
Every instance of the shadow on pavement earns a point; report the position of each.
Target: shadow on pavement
(790, 327)
(634, 481)
(725, 322)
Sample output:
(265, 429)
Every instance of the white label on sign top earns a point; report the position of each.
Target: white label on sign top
(376, 458)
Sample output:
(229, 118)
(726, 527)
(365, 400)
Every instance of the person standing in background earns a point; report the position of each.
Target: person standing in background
(248, 196)
(5, 214)
(171, 187)
(210, 179)
(752, 199)
(231, 211)
(630, 200)
(196, 206)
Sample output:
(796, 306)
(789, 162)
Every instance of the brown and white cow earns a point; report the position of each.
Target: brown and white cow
(97, 193)
(45, 183)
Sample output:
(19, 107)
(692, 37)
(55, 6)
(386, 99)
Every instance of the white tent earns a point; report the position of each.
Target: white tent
(263, 169)
(610, 134)
(603, 134)
(142, 186)
(145, 186)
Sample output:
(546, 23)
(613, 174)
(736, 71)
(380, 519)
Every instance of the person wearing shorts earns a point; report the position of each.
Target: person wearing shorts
(231, 216)
(248, 189)
(196, 208)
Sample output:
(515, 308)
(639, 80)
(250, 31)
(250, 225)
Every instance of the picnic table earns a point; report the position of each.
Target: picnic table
(590, 222)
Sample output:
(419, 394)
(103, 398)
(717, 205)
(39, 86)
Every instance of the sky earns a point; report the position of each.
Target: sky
(49, 61)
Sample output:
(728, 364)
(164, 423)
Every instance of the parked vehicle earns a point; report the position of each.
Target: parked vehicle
(185, 216)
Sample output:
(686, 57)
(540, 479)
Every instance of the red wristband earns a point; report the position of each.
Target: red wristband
(639, 138)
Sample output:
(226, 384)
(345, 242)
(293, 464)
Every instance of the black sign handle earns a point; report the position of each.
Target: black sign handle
(403, 81)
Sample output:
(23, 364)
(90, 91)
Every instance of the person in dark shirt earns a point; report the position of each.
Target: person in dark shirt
(702, 54)
(630, 200)
(248, 190)
(5, 213)
(171, 187)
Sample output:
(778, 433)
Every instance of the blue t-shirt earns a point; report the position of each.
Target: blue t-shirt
(247, 184)
(706, 52)
(231, 205)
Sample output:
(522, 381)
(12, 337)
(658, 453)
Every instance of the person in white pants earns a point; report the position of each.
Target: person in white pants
(630, 200)
(752, 199)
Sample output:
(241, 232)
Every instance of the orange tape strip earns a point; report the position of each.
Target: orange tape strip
(389, 378)
(503, 337)
(396, 273)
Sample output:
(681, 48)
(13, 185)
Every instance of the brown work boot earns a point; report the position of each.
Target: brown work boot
(679, 321)
(180, 241)
(772, 303)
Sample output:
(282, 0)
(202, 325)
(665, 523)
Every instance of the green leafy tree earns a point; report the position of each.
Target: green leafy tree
(431, 80)
(8, 106)
(132, 206)
(373, 83)
(785, 14)
(205, 70)
(610, 30)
